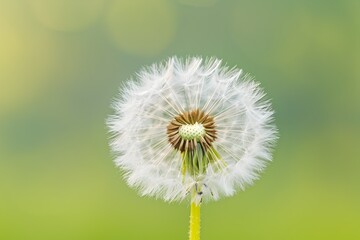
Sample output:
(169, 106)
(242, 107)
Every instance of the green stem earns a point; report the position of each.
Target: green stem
(194, 222)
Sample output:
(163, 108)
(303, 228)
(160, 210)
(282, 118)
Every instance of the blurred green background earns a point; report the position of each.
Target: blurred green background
(62, 61)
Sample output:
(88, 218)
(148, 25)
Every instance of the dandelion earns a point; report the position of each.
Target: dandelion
(191, 129)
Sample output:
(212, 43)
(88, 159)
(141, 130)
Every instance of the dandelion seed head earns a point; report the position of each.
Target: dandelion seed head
(189, 127)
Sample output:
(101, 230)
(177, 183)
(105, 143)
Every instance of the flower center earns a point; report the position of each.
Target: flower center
(192, 131)
(191, 128)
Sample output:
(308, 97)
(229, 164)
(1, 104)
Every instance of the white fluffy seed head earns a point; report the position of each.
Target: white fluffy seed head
(244, 127)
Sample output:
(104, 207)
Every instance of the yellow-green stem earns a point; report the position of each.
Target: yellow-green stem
(194, 233)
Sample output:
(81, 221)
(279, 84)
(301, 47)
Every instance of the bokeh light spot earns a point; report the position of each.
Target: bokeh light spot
(141, 27)
(66, 15)
(256, 30)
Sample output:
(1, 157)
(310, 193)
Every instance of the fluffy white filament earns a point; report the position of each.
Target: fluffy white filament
(245, 132)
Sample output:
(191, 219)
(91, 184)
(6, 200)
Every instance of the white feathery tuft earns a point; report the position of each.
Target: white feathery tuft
(244, 125)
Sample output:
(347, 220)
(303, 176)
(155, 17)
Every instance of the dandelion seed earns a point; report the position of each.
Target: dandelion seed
(191, 129)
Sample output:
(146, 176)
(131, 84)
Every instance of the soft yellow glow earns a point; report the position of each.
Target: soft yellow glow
(11, 44)
(12, 52)
(66, 15)
(26, 57)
